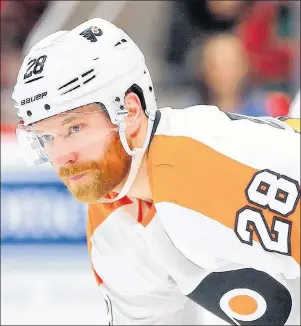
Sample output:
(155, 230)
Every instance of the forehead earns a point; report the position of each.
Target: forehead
(87, 112)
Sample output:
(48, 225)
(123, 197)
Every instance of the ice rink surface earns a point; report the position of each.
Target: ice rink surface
(49, 285)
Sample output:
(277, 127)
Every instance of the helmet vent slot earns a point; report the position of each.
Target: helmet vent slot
(88, 80)
(87, 73)
(72, 89)
(77, 85)
(69, 83)
(121, 41)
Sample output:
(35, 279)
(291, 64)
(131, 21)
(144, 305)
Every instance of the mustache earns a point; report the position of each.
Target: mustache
(76, 168)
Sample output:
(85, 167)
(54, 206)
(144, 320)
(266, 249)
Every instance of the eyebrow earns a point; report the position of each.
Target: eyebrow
(69, 119)
(64, 122)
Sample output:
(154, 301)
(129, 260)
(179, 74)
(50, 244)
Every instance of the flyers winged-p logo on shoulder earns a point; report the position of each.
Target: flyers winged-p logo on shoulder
(91, 33)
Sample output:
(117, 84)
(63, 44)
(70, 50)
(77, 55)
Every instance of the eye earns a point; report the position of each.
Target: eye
(46, 138)
(75, 128)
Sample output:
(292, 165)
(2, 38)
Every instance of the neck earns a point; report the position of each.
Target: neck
(141, 187)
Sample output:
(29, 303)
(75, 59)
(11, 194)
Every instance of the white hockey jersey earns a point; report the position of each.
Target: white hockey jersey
(223, 231)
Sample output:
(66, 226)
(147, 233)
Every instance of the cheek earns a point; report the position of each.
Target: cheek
(92, 150)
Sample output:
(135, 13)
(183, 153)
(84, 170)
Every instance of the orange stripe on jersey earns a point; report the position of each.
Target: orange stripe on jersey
(150, 214)
(190, 174)
(146, 212)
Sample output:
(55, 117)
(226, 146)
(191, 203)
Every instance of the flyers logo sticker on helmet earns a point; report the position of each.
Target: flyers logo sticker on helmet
(91, 33)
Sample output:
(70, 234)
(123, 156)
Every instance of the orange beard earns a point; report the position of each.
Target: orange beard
(104, 175)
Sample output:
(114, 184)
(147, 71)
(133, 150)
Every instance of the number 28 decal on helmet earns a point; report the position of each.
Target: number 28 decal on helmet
(35, 67)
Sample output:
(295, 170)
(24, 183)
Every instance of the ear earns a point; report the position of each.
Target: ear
(135, 116)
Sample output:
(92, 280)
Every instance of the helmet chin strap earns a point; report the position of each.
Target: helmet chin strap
(137, 155)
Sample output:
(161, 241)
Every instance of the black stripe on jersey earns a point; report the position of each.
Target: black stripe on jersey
(234, 116)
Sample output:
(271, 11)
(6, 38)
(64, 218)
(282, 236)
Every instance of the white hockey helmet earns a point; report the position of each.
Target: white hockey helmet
(94, 62)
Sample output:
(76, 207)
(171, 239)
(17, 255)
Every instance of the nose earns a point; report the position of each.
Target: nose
(66, 159)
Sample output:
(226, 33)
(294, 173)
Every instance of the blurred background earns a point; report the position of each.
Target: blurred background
(243, 56)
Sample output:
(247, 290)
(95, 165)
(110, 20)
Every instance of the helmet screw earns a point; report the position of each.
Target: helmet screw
(150, 88)
(121, 107)
(47, 107)
(29, 113)
(117, 99)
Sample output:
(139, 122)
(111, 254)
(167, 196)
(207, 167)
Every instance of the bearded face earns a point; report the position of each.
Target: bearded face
(84, 147)
(93, 179)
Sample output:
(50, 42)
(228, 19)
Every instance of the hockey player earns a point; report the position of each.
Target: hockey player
(187, 208)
